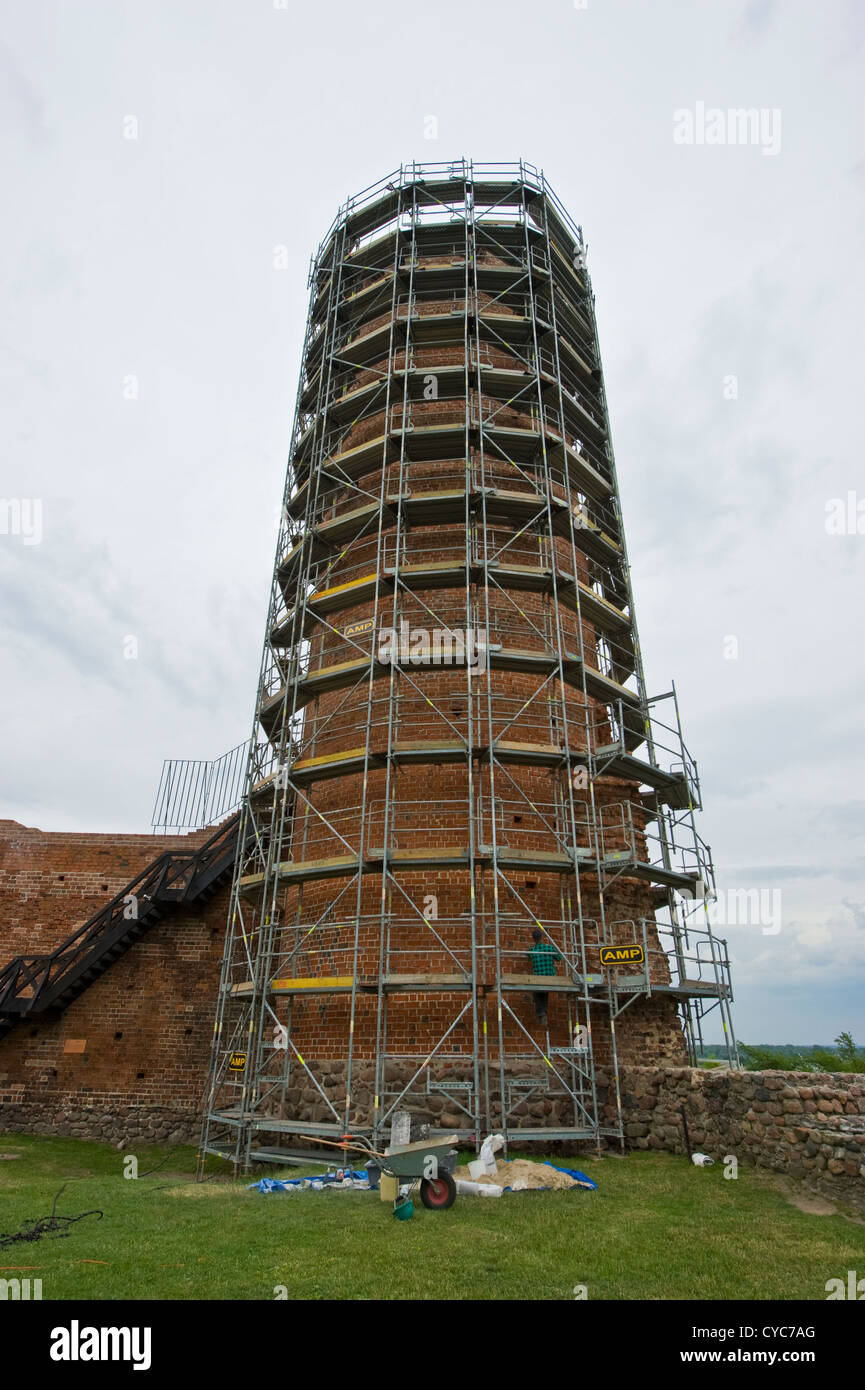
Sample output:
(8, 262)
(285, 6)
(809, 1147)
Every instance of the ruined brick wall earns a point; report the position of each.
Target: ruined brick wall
(129, 1056)
(52, 882)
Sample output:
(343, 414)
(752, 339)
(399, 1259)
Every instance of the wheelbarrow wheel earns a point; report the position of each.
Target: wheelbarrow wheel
(437, 1194)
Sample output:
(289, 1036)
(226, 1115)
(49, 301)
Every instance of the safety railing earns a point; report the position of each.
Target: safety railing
(433, 255)
(631, 836)
(461, 174)
(693, 962)
(563, 475)
(424, 359)
(331, 637)
(572, 387)
(440, 636)
(609, 740)
(478, 714)
(440, 946)
(195, 792)
(399, 825)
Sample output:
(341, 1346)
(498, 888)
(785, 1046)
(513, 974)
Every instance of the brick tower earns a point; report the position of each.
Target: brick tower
(460, 797)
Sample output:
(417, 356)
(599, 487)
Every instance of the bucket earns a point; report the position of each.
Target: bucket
(388, 1188)
(404, 1210)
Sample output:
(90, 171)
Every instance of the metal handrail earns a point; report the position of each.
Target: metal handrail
(174, 871)
(195, 792)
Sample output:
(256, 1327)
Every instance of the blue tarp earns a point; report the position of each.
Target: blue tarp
(360, 1175)
(273, 1185)
(288, 1184)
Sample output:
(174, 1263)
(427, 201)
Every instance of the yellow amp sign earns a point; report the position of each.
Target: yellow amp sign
(622, 955)
(359, 628)
(237, 1061)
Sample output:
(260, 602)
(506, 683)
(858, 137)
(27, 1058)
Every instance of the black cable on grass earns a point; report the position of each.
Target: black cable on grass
(58, 1226)
(53, 1225)
(157, 1166)
(34, 1231)
(193, 1182)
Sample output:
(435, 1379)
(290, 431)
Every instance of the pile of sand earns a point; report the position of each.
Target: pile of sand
(533, 1175)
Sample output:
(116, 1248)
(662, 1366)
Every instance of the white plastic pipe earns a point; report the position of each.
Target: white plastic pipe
(478, 1189)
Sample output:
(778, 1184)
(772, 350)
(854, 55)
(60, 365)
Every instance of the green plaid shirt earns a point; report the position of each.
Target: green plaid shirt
(544, 957)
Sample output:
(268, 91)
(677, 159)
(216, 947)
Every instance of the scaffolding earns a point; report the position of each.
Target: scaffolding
(454, 755)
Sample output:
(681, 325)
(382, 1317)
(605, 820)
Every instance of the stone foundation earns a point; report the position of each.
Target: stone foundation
(807, 1126)
(112, 1123)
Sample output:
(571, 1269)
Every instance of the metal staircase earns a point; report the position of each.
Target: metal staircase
(45, 984)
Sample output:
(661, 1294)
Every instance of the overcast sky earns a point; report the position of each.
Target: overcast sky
(154, 155)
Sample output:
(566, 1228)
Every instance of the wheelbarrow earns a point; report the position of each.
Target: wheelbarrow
(429, 1162)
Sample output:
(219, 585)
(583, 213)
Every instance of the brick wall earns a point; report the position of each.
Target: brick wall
(128, 1059)
(129, 1056)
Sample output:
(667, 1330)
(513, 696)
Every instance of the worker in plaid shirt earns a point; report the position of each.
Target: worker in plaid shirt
(543, 956)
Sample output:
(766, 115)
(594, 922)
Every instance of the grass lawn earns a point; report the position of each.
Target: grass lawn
(656, 1228)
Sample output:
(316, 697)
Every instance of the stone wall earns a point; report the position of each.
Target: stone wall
(806, 1125)
(111, 1120)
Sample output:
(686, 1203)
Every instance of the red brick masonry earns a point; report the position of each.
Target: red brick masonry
(146, 1027)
